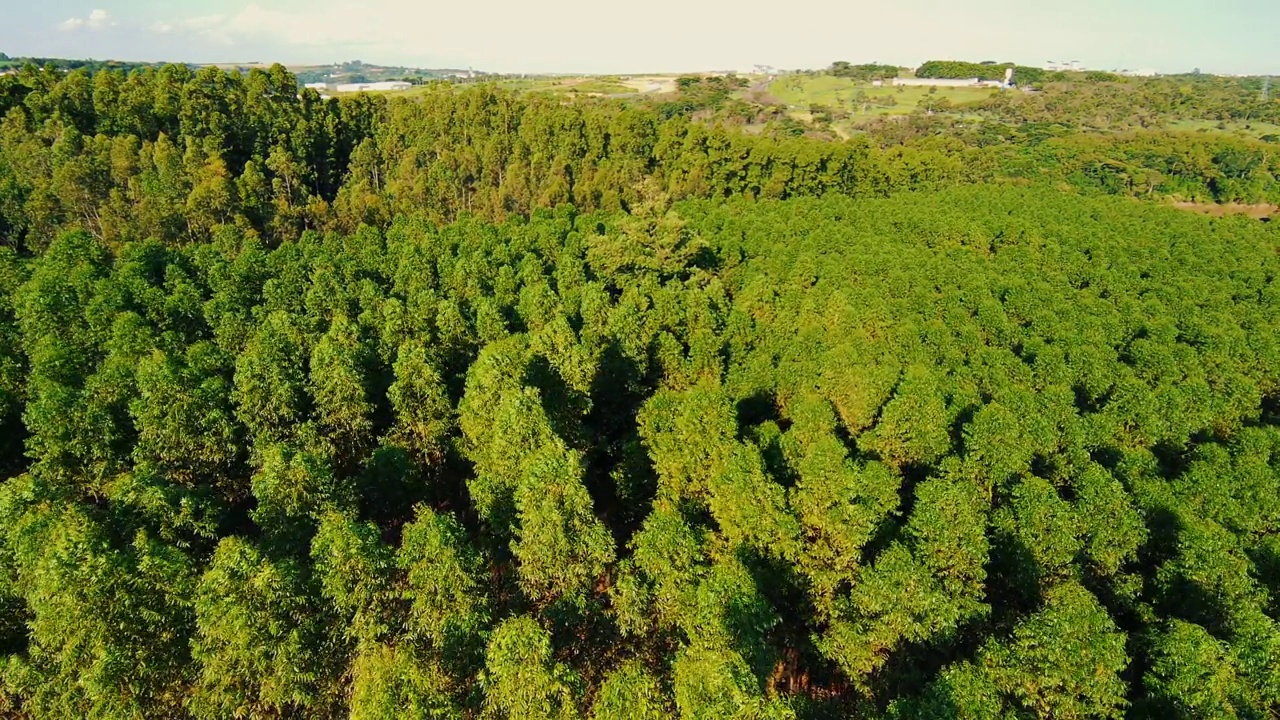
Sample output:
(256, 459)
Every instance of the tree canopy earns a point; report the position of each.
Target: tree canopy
(486, 406)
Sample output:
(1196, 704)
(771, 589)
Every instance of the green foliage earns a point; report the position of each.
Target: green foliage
(295, 486)
(1194, 674)
(1041, 524)
(1064, 661)
(869, 71)
(186, 427)
(1113, 529)
(419, 400)
(394, 682)
(560, 545)
(840, 504)
(660, 578)
(171, 153)
(106, 627)
(448, 605)
(338, 386)
(521, 678)
(270, 381)
(257, 637)
(982, 71)
(715, 684)
(354, 568)
(924, 586)
(912, 429)
(630, 692)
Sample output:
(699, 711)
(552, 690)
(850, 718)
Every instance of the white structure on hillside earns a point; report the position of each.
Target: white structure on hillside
(1145, 72)
(318, 87)
(1065, 66)
(385, 86)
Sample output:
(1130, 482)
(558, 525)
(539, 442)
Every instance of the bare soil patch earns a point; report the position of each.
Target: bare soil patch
(1260, 211)
(652, 85)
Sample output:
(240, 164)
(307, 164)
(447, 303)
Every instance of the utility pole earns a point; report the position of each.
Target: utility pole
(1266, 89)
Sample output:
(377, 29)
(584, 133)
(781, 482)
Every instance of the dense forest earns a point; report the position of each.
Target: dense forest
(493, 406)
(867, 71)
(123, 155)
(983, 71)
(1137, 102)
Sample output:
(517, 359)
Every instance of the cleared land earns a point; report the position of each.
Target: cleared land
(652, 84)
(1257, 212)
(594, 85)
(799, 92)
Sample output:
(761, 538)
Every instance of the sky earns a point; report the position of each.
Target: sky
(607, 36)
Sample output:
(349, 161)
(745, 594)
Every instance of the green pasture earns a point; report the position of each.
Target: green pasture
(859, 98)
(584, 85)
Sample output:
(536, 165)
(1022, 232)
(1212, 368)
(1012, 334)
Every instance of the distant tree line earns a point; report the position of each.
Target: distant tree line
(700, 94)
(866, 72)
(957, 69)
(65, 64)
(172, 152)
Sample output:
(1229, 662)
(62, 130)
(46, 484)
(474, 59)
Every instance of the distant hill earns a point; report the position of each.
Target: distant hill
(355, 71)
(8, 63)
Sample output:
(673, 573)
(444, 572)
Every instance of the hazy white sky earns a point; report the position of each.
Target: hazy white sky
(1230, 36)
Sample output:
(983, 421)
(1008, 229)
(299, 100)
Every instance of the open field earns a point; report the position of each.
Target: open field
(559, 85)
(801, 91)
(652, 84)
(594, 85)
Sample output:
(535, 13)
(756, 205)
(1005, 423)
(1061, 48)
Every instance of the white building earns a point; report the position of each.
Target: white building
(1065, 66)
(386, 86)
(319, 87)
(1145, 72)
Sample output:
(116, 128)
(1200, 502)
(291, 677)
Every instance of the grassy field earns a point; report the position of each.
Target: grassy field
(861, 101)
(579, 85)
(799, 92)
